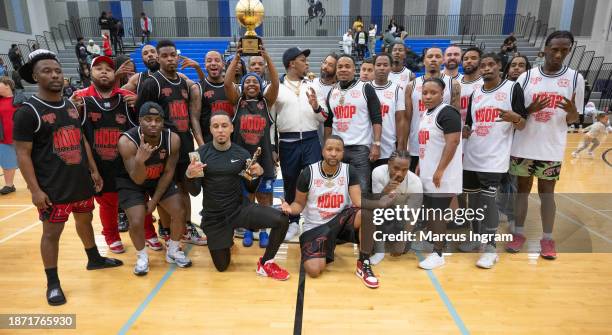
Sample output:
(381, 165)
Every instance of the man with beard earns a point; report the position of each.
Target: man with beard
(297, 123)
(355, 116)
(325, 82)
(399, 72)
(149, 58)
(452, 57)
(178, 97)
(471, 80)
(145, 179)
(213, 98)
(107, 115)
(56, 163)
(258, 65)
(415, 107)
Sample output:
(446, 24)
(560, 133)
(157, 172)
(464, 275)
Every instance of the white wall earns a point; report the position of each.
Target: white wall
(38, 23)
(601, 37)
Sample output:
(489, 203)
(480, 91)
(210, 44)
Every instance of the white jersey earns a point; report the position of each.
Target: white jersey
(391, 97)
(488, 148)
(351, 119)
(545, 134)
(431, 145)
(321, 89)
(467, 88)
(327, 197)
(418, 108)
(402, 78)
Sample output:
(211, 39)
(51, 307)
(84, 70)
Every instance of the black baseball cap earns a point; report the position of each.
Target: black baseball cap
(151, 108)
(292, 53)
(27, 70)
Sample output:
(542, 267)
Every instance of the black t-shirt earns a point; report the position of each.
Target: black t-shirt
(213, 100)
(58, 154)
(141, 79)
(105, 121)
(252, 123)
(449, 120)
(303, 182)
(221, 184)
(173, 97)
(518, 103)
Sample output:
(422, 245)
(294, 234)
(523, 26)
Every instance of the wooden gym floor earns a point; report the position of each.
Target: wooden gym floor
(523, 294)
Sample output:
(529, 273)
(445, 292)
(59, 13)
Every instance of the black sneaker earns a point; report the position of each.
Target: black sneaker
(104, 263)
(124, 225)
(7, 189)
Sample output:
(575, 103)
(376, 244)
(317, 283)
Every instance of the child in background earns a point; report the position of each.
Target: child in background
(594, 134)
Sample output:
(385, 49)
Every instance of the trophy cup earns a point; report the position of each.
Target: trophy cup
(245, 173)
(250, 14)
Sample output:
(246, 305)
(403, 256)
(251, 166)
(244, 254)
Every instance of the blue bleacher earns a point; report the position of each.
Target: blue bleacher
(191, 49)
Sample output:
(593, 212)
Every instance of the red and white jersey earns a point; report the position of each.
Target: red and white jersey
(402, 78)
(431, 145)
(545, 134)
(327, 197)
(488, 148)
(351, 116)
(391, 97)
(467, 88)
(418, 108)
(321, 89)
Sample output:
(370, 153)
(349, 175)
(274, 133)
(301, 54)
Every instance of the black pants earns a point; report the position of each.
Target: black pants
(251, 216)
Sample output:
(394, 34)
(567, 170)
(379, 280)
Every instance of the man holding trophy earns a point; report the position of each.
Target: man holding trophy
(218, 169)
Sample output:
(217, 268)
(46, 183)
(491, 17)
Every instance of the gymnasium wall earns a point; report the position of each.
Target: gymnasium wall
(15, 23)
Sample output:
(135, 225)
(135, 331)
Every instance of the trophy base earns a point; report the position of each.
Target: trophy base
(250, 45)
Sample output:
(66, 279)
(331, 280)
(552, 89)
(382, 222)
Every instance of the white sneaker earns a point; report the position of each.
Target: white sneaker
(142, 265)
(292, 232)
(377, 258)
(178, 257)
(421, 246)
(590, 155)
(487, 260)
(468, 246)
(432, 261)
(574, 154)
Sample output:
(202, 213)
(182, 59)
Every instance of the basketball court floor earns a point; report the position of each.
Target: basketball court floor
(522, 294)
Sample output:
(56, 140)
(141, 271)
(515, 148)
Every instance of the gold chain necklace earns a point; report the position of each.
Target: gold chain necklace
(295, 88)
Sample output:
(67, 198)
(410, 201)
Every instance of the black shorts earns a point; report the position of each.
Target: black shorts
(131, 195)
(320, 242)
(437, 201)
(474, 181)
(220, 231)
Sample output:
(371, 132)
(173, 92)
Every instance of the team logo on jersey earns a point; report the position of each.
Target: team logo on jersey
(107, 104)
(535, 80)
(120, 118)
(563, 82)
(384, 109)
(404, 77)
(166, 91)
(260, 105)
(154, 171)
(95, 116)
(73, 113)
(482, 130)
(330, 200)
(243, 104)
(49, 118)
(209, 94)
(478, 98)
(501, 96)
(335, 94)
(223, 106)
(388, 94)
(185, 94)
(67, 144)
(252, 128)
(341, 181)
(543, 116)
(162, 154)
(318, 182)
(179, 115)
(419, 88)
(355, 94)
(105, 143)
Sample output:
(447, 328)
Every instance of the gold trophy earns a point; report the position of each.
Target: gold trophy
(250, 14)
(245, 173)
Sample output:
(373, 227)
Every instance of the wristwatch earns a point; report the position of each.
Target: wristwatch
(377, 143)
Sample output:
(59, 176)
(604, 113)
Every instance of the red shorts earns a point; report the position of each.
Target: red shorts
(59, 213)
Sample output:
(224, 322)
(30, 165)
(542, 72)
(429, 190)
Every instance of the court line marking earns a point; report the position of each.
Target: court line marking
(585, 205)
(299, 304)
(128, 324)
(449, 306)
(20, 231)
(17, 205)
(17, 213)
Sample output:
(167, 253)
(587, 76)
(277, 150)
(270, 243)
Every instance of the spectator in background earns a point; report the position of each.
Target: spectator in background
(146, 26)
(8, 157)
(84, 75)
(505, 54)
(372, 39)
(539, 61)
(388, 40)
(392, 27)
(120, 34)
(68, 88)
(17, 80)
(413, 61)
(34, 46)
(104, 24)
(510, 42)
(81, 50)
(106, 46)
(347, 42)
(112, 23)
(402, 33)
(361, 40)
(358, 23)
(3, 68)
(93, 49)
(15, 57)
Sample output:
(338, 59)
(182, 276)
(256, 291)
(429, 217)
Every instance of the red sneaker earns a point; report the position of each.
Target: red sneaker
(116, 247)
(272, 270)
(547, 250)
(365, 273)
(517, 243)
(154, 244)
